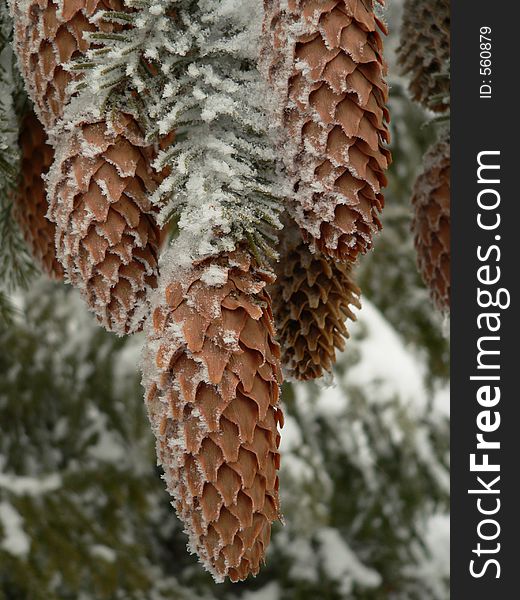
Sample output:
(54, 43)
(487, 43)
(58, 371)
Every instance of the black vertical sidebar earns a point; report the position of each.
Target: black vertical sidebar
(485, 524)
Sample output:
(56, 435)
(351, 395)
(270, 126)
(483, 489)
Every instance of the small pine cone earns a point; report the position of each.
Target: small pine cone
(211, 378)
(424, 52)
(312, 298)
(30, 204)
(431, 222)
(326, 57)
(48, 34)
(106, 236)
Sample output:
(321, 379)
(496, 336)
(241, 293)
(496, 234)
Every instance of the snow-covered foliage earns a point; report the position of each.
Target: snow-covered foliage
(76, 468)
(355, 448)
(188, 70)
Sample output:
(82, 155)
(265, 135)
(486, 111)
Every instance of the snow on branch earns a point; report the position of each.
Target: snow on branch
(188, 69)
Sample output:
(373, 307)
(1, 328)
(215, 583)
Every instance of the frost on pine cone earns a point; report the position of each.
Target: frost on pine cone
(325, 58)
(431, 222)
(424, 53)
(312, 298)
(106, 236)
(49, 34)
(30, 202)
(212, 375)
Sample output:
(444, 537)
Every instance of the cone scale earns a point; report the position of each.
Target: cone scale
(313, 297)
(424, 51)
(212, 375)
(30, 202)
(47, 35)
(324, 60)
(431, 223)
(98, 187)
(106, 236)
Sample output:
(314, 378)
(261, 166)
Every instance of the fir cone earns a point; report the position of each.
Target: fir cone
(431, 222)
(30, 204)
(211, 378)
(48, 34)
(424, 52)
(326, 59)
(312, 298)
(106, 236)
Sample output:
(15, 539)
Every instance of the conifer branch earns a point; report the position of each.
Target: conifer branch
(172, 58)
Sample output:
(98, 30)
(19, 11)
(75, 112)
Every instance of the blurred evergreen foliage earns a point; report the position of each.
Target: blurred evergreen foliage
(363, 471)
(388, 275)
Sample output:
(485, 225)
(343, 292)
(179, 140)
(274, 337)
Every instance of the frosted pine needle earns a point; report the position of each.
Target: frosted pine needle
(191, 67)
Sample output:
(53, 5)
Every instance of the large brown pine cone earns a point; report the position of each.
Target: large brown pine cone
(313, 296)
(106, 236)
(431, 222)
(211, 375)
(49, 34)
(30, 202)
(424, 52)
(326, 57)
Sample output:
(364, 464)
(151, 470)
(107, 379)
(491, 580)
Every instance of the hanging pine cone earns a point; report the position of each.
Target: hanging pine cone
(30, 203)
(431, 222)
(312, 298)
(49, 34)
(106, 237)
(212, 375)
(327, 58)
(424, 53)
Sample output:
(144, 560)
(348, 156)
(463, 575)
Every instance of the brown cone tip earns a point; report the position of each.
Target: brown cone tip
(327, 56)
(49, 34)
(424, 51)
(106, 236)
(431, 223)
(30, 204)
(313, 297)
(211, 375)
